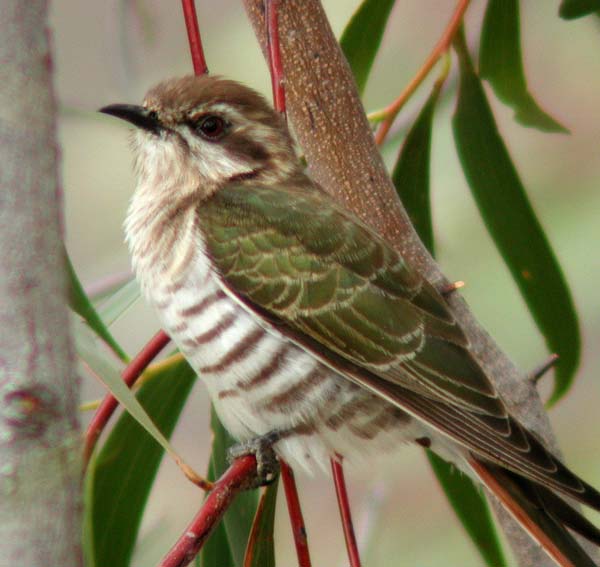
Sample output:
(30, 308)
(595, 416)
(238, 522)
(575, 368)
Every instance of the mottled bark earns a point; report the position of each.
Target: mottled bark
(40, 472)
(327, 116)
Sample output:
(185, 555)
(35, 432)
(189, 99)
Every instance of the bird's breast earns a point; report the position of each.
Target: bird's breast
(258, 379)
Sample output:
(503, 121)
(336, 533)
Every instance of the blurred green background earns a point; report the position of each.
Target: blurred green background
(114, 51)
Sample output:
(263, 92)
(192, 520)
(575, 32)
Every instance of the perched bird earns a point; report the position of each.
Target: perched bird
(306, 326)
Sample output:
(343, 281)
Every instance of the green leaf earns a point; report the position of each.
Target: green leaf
(361, 39)
(572, 9)
(411, 178)
(500, 62)
(411, 172)
(122, 473)
(216, 552)
(80, 303)
(261, 549)
(106, 371)
(471, 507)
(510, 219)
(119, 302)
(238, 519)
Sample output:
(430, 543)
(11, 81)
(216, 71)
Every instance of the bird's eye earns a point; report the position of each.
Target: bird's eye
(211, 127)
(153, 115)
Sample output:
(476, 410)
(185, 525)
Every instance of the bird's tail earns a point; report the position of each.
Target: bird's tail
(543, 514)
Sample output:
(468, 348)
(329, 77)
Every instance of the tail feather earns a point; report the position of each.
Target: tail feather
(543, 514)
(567, 515)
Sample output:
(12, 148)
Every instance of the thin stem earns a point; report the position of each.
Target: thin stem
(541, 370)
(131, 373)
(344, 506)
(195, 41)
(390, 112)
(296, 518)
(233, 481)
(275, 64)
(90, 406)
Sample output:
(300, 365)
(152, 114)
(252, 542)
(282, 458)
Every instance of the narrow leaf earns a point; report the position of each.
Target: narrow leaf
(361, 39)
(411, 178)
(119, 302)
(240, 515)
(105, 370)
(411, 172)
(510, 219)
(261, 549)
(216, 552)
(123, 472)
(501, 63)
(572, 9)
(472, 508)
(80, 303)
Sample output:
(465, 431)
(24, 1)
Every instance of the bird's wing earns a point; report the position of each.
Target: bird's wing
(340, 291)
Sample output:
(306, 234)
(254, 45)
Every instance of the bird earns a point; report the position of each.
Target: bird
(307, 327)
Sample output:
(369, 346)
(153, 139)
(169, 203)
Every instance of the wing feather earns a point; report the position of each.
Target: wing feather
(340, 291)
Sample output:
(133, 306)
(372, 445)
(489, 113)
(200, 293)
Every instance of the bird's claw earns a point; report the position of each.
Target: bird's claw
(267, 464)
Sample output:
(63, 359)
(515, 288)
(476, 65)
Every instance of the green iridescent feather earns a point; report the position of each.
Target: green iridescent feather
(339, 290)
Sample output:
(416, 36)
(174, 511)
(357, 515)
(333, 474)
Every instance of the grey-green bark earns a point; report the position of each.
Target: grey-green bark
(40, 468)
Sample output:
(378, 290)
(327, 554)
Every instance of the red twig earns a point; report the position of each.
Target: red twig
(296, 518)
(344, 505)
(193, 31)
(276, 66)
(234, 480)
(440, 48)
(131, 373)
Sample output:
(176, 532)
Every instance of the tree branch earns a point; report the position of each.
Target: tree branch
(325, 111)
(40, 488)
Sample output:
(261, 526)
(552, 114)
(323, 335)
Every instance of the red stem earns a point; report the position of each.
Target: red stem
(275, 63)
(234, 480)
(193, 31)
(109, 404)
(296, 518)
(344, 505)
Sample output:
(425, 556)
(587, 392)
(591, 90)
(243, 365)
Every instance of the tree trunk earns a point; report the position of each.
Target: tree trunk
(328, 119)
(40, 466)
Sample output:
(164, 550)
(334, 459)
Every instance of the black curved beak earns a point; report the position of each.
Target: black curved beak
(136, 115)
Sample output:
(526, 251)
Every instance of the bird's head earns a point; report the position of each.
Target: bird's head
(199, 133)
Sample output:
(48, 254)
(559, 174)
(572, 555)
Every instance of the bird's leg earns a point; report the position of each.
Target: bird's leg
(267, 464)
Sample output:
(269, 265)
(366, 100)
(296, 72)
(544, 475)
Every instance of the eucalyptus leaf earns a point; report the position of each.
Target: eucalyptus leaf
(472, 509)
(260, 551)
(119, 302)
(501, 63)
(80, 303)
(361, 39)
(121, 475)
(105, 369)
(572, 9)
(512, 223)
(411, 179)
(216, 552)
(238, 519)
(411, 172)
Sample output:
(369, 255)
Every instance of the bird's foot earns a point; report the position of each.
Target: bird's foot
(267, 464)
